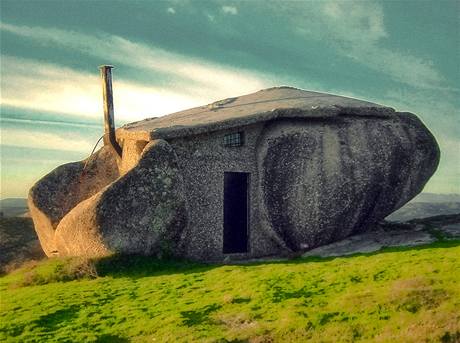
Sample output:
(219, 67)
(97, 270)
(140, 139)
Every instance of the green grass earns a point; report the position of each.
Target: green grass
(397, 295)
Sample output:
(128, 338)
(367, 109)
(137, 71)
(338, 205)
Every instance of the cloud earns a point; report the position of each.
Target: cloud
(200, 78)
(357, 31)
(364, 21)
(35, 85)
(232, 10)
(44, 140)
(171, 10)
(192, 82)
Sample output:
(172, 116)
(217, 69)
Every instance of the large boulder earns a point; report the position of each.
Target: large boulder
(53, 196)
(144, 211)
(323, 180)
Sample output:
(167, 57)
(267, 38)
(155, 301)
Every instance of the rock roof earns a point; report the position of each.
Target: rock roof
(266, 104)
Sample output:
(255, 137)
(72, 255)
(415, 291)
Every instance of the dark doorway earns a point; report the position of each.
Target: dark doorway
(235, 212)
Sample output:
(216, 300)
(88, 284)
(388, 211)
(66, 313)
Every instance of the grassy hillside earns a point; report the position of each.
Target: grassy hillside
(398, 295)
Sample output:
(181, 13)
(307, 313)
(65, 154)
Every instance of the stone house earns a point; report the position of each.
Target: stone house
(278, 171)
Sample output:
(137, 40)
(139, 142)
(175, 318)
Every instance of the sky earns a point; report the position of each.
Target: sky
(173, 55)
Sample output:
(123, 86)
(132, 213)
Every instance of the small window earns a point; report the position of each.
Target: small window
(233, 139)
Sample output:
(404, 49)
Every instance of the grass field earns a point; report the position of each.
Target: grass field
(397, 295)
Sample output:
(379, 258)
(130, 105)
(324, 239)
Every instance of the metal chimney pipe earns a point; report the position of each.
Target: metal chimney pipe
(109, 121)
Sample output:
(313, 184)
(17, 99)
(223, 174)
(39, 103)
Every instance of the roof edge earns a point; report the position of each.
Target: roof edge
(177, 131)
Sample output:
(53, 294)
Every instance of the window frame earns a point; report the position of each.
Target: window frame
(233, 140)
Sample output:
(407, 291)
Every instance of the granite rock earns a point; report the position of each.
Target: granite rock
(53, 196)
(323, 181)
(143, 212)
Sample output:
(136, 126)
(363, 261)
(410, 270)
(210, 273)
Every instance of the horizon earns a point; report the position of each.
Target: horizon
(178, 55)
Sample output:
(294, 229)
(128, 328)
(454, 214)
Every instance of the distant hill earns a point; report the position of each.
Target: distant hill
(414, 210)
(14, 207)
(436, 198)
(427, 205)
(13, 202)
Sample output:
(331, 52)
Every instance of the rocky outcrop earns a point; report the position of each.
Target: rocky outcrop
(324, 180)
(53, 196)
(142, 212)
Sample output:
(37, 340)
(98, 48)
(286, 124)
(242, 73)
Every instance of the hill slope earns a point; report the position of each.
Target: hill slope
(437, 198)
(18, 242)
(398, 295)
(415, 210)
(12, 207)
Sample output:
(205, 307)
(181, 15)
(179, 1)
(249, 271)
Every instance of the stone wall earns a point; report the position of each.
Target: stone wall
(203, 159)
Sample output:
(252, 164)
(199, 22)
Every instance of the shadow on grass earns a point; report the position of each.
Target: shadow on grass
(436, 245)
(111, 339)
(59, 318)
(198, 317)
(136, 266)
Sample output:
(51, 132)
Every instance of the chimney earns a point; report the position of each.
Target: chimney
(109, 122)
